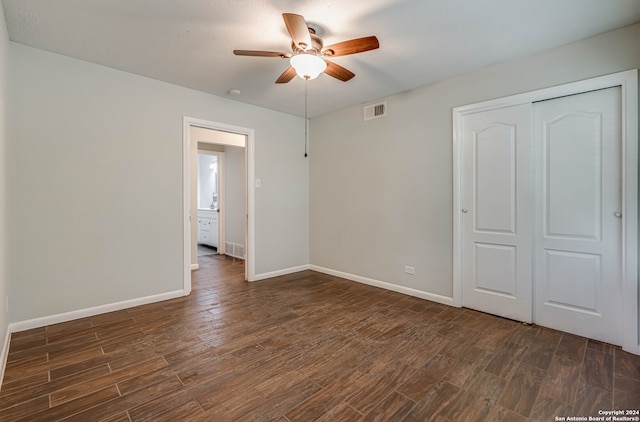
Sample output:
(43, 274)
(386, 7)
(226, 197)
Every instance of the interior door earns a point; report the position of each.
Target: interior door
(496, 207)
(578, 222)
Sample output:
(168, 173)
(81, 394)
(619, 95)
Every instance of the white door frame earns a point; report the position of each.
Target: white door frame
(628, 81)
(187, 146)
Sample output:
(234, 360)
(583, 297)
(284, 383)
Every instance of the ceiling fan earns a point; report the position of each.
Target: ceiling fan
(309, 53)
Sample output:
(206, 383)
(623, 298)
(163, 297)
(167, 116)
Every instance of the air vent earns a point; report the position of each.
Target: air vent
(234, 249)
(239, 251)
(375, 111)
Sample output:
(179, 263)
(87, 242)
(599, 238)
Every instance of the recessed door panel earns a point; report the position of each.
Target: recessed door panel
(573, 281)
(495, 269)
(572, 156)
(495, 179)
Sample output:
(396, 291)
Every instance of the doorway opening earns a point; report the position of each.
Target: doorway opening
(211, 201)
(220, 214)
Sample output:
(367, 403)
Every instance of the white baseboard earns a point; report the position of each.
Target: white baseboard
(195, 267)
(364, 280)
(5, 355)
(278, 273)
(96, 310)
(388, 286)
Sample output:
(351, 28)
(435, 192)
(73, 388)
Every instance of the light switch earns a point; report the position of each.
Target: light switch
(258, 183)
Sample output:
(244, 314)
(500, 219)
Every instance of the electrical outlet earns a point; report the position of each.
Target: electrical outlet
(409, 270)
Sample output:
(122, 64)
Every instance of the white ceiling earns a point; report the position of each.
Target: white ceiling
(190, 42)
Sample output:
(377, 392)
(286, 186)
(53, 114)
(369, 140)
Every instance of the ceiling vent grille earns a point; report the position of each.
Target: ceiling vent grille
(375, 111)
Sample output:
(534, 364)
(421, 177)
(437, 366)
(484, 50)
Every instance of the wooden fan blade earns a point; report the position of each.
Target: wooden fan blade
(261, 53)
(354, 46)
(298, 29)
(286, 76)
(338, 71)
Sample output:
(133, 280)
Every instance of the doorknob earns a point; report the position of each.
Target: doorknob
(617, 214)
(464, 211)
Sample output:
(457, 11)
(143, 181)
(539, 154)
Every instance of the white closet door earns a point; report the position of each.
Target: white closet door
(496, 207)
(578, 204)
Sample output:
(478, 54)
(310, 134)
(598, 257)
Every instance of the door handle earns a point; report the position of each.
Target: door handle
(464, 211)
(617, 214)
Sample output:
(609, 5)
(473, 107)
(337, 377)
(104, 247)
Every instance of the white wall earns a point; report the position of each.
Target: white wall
(4, 244)
(381, 191)
(91, 147)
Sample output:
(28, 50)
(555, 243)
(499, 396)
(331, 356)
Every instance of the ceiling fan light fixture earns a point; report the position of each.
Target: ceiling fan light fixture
(308, 66)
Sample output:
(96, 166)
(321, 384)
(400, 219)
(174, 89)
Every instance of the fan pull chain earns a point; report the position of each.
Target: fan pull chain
(306, 121)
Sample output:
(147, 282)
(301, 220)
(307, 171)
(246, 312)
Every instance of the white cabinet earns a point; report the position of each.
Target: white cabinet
(208, 227)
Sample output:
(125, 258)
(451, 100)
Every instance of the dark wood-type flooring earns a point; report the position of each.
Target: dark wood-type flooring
(307, 347)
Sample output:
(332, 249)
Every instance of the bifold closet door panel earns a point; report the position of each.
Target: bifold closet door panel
(578, 201)
(496, 207)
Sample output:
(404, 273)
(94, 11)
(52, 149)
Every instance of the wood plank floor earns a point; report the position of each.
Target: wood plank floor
(307, 347)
